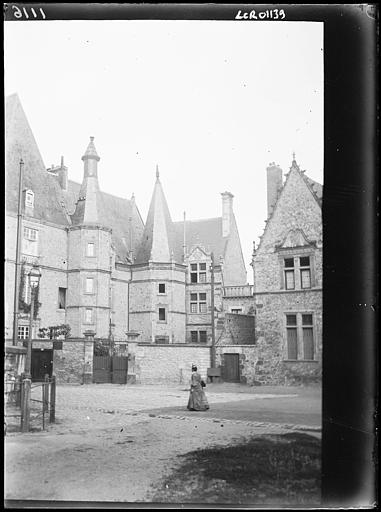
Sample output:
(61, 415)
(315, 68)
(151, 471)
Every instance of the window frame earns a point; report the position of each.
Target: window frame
(197, 304)
(91, 320)
(299, 327)
(88, 255)
(59, 298)
(161, 320)
(87, 281)
(165, 289)
(196, 270)
(26, 332)
(29, 198)
(298, 270)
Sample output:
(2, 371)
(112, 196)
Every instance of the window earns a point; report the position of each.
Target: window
(61, 298)
(162, 288)
(194, 336)
(30, 241)
(308, 338)
(89, 285)
(198, 336)
(297, 273)
(289, 273)
(198, 303)
(198, 272)
(305, 272)
(162, 315)
(90, 251)
(23, 332)
(300, 336)
(29, 199)
(88, 315)
(236, 311)
(203, 337)
(30, 234)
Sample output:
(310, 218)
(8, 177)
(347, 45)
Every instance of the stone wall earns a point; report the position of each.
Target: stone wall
(235, 330)
(15, 358)
(167, 364)
(73, 364)
(248, 359)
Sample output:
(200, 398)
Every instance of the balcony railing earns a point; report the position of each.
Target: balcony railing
(238, 291)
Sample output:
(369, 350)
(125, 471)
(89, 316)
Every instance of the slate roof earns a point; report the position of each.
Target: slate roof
(206, 232)
(20, 143)
(117, 212)
(158, 240)
(51, 202)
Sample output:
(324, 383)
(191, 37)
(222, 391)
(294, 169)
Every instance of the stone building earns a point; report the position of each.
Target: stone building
(103, 269)
(287, 267)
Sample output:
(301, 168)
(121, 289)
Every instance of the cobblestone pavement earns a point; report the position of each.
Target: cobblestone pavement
(115, 443)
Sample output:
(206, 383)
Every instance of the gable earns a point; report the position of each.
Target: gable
(297, 214)
(295, 238)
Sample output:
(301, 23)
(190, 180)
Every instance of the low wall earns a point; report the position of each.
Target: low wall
(166, 364)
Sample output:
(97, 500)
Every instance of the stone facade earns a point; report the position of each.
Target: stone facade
(235, 329)
(287, 267)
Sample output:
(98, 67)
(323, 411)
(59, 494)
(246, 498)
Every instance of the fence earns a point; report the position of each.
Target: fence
(21, 402)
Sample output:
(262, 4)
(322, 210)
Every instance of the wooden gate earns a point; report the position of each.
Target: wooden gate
(110, 369)
(231, 368)
(41, 364)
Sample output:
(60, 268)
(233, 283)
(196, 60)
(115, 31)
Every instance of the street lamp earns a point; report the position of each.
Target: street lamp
(34, 280)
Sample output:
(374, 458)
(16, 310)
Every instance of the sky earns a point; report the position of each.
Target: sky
(212, 103)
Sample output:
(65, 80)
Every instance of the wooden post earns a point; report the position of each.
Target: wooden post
(25, 405)
(45, 399)
(213, 349)
(18, 254)
(53, 400)
(18, 390)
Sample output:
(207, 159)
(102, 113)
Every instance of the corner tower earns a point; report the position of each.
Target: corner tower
(157, 293)
(89, 256)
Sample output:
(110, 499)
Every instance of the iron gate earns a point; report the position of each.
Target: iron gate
(110, 369)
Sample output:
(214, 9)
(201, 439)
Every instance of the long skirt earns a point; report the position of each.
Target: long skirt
(197, 400)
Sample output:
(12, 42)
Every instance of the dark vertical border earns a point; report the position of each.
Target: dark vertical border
(350, 299)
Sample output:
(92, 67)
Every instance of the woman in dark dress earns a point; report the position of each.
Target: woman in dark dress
(197, 399)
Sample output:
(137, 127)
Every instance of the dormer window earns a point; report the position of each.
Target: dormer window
(29, 199)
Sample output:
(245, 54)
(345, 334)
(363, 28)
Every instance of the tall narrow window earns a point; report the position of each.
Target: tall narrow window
(305, 272)
(202, 272)
(194, 274)
(29, 199)
(289, 273)
(162, 288)
(89, 285)
(292, 337)
(90, 251)
(194, 336)
(202, 303)
(61, 298)
(89, 315)
(308, 338)
(193, 304)
(162, 315)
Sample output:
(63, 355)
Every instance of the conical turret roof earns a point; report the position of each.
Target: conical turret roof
(158, 237)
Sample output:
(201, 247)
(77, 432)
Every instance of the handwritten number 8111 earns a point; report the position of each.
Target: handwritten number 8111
(23, 13)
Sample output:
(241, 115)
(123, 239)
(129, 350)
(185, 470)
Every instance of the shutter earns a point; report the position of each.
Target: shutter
(292, 344)
(308, 343)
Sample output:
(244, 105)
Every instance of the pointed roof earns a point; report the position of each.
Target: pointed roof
(21, 144)
(90, 208)
(158, 237)
(91, 152)
(315, 188)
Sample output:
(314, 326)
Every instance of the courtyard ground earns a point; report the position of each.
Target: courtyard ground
(123, 443)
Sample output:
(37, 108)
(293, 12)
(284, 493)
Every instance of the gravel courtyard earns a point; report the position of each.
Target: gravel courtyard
(117, 443)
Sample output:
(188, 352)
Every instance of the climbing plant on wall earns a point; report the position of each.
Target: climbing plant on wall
(25, 306)
(55, 331)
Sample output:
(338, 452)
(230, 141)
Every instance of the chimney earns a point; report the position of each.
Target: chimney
(227, 212)
(274, 185)
(62, 175)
